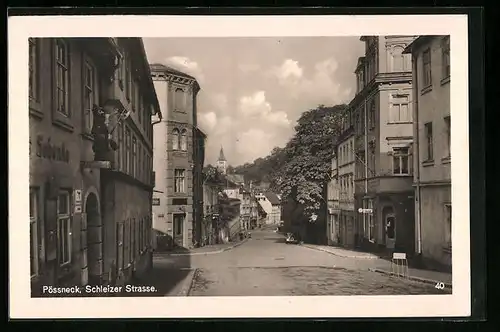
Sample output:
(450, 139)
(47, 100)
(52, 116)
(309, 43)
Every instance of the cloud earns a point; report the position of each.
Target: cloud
(208, 121)
(309, 89)
(288, 71)
(187, 66)
(256, 106)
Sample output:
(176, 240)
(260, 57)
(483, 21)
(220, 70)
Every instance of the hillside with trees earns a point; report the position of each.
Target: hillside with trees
(300, 170)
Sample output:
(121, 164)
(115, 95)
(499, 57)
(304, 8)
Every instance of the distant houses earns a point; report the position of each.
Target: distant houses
(270, 203)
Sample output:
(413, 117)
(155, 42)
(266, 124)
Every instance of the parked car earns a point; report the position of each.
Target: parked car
(291, 239)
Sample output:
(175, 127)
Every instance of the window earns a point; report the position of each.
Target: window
(447, 122)
(140, 171)
(89, 94)
(398, 63)
(400, 161)
(447, 233)
(126, 243)
(133, 164)
(62, 77)
(63, 228)
(400, 109)
(429, 141)
(34, 215)
(175, 139)
(120, 240)
(127, 150)
(427, 75)
(128, 79)
(371, 118)
(145, 166)
(140, 109)
(34, 75)
(133, 240)
(184, 140)
(120, 147)
(179, 99)
(179, 177)
(446, 57)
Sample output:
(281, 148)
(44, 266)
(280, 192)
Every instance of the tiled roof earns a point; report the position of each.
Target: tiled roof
(272, 197)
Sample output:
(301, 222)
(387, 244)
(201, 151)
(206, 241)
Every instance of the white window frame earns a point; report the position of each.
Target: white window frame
(64, 239)
(179, 99)
(429, 139)
(34, 83)
(397, 103)
(427, 68)
(34, 220)
(179, 175)
(62, 78)
(89, 92)
(183, 140)
(447, 123)
(176, 139)
(446, 57)
(398, 153)
(395, 55)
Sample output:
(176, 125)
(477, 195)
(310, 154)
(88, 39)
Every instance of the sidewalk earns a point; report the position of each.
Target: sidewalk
(377, 264)
(206, 250)
(341, 252)
(421, 275)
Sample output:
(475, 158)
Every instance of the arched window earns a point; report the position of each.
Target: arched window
(398, 59)
(175, 139)
(179, 99)
(184, 140)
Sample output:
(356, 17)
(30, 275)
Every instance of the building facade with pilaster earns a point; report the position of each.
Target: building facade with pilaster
(78, 98)
(176, 157)
(383, 126)
(432, 148)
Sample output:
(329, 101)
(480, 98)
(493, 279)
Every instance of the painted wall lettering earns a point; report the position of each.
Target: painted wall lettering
(48, 150)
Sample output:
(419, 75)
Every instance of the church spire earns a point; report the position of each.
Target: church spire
(221, 155)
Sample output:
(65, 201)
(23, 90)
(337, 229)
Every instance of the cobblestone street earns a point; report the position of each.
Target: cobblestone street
(266, 266)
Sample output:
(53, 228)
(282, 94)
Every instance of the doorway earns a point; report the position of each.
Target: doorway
(178, 234)
(94, 240)
(390, 227)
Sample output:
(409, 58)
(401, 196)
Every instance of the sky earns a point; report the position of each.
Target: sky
(253, 90)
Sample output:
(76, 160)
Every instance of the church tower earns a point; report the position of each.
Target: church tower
(222, 162)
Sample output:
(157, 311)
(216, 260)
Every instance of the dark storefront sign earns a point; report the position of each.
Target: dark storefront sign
(46, 149)
(156, 201)
(179, 201)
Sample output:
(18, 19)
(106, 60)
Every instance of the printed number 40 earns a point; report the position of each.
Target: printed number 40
(439, 285)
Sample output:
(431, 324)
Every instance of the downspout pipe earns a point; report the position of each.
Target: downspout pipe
(416, 145)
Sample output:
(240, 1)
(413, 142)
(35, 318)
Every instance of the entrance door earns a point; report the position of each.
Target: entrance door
(178, 230)
(390, 230)
(94, 240)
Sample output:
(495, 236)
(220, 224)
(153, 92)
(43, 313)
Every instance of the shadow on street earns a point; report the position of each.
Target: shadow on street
(167, 273)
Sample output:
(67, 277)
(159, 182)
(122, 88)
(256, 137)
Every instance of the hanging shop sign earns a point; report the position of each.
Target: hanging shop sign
(366, 211)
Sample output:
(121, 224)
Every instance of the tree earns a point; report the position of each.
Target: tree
(304, 165)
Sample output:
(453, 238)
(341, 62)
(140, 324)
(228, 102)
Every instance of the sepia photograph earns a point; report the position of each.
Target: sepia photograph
(231, 167)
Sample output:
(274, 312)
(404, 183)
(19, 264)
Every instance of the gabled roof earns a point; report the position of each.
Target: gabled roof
(272, 197)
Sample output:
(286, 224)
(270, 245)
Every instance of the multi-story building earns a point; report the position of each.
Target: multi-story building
(211, 209)
(90, 106)
(347, 230)
(383, 125)
(271, 206)
(432, 146)
(333, 205)
(176, 158)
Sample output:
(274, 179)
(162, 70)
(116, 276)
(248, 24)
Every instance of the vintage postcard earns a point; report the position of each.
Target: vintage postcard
(250, 166)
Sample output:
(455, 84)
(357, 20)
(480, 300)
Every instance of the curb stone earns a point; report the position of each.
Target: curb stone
(208, 252)
(186, 288)
(339, 255)
(418, 279)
